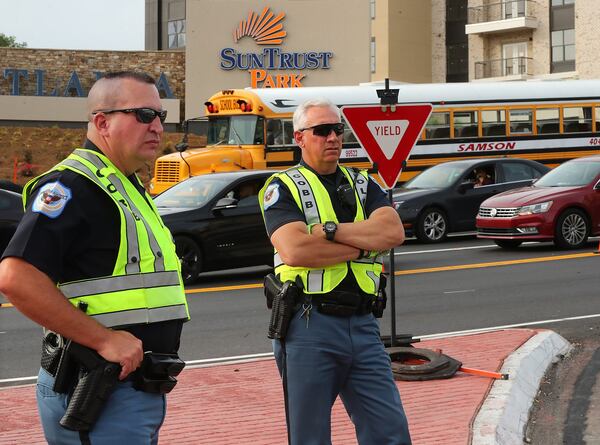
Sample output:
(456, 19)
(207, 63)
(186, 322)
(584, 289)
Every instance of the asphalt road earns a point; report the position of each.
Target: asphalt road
(458, 285)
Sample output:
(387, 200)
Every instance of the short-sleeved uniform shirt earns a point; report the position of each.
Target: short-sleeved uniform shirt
(80, 240)
(280, 207)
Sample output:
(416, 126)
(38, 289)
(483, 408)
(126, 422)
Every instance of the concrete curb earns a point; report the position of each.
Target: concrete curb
(503, 416)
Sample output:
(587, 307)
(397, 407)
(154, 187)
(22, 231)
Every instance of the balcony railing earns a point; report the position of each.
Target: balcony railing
(500, 11)
(502, 67)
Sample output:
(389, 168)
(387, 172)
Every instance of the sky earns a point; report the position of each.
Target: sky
(75, 24)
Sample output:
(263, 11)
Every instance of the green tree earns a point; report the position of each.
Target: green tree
(11, 42)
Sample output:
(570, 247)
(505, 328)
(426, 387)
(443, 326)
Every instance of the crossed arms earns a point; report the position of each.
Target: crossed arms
(381, 231)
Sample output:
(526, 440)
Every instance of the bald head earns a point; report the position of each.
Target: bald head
(106, 93)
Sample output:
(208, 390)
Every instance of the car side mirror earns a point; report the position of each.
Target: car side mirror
(225, 203)
(464, 186)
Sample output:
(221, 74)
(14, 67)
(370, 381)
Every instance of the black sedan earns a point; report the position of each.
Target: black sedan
(216, 222)
(11, 212)
(446, 197)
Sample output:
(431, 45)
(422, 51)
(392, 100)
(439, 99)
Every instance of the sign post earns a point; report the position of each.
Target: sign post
(388, 132)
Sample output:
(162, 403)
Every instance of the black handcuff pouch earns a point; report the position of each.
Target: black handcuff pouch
(157, 373)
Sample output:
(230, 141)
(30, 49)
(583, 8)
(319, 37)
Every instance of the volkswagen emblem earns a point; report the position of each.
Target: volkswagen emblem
(493, 212)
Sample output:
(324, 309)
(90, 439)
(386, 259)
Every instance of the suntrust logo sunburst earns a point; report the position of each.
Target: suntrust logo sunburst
(265, 29)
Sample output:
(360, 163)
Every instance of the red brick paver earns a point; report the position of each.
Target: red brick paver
(243, 404)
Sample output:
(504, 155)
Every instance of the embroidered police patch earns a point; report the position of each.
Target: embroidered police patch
(271, 195)
(51, 199)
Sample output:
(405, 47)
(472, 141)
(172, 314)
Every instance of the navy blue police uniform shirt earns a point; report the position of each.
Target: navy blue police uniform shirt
(80, 240)
(281, 208)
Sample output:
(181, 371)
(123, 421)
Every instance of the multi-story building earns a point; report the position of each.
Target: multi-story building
(404, 40)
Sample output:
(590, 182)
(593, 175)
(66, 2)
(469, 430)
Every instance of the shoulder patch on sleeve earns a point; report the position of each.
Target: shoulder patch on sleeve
(51, 199)
(271, 195)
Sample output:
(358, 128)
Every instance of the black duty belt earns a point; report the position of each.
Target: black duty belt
(341, 303)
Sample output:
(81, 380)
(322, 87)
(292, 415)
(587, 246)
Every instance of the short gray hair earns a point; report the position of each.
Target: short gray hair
(299, 118)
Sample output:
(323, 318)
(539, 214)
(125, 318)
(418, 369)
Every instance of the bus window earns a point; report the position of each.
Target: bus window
(547, 120)
(349, 137)
(493, 122)
(274, 132)
(597, 119)
(217, 131)
(465, 124)
(521, 121)
(259, 134)
(288, 132)
(577, 119)
(438, 126)
(235, 130)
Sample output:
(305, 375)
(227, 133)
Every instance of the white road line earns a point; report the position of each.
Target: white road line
(459, 291)
(444, 250)
(263, 355)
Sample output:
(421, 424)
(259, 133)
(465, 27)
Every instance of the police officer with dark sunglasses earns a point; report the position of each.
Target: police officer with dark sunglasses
(328, 225)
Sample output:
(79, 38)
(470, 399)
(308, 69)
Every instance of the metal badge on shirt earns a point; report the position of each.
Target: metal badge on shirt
(271, 195)
(51, 199)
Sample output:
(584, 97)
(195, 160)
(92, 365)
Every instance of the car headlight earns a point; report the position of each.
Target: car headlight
(541, 207)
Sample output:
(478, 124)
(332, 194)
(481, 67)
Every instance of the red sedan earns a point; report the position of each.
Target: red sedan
(562, 206)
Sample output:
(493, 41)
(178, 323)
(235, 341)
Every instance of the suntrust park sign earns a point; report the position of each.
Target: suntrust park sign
(267, 29)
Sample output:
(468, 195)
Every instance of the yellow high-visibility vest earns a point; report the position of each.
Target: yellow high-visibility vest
(145, 285)
(312, 198)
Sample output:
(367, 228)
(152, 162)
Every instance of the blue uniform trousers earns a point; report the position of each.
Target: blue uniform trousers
(129, 416)
(340, 356)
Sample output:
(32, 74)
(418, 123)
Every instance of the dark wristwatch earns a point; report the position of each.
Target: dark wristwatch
(329, 228)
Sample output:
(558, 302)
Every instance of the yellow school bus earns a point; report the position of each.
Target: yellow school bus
(547, 121)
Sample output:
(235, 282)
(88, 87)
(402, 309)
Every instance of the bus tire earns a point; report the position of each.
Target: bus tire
(190, 257)
(572, 229)
(432, 225)
(508, 243)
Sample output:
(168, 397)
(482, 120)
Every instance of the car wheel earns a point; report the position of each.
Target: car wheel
(508, 243)
(572, 229)
(432, 226)
(191, 258)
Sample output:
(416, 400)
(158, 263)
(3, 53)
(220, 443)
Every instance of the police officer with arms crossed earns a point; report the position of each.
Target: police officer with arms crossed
(330, 244)
(91, 240)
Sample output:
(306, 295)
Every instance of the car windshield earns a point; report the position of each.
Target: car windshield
(235, 130)
(570, 174)
(438, 176)
(193, 192)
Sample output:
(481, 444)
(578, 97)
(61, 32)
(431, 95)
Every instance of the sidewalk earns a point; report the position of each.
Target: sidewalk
(242, 403)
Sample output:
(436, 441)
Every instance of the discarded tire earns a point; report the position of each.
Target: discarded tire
(434, 365)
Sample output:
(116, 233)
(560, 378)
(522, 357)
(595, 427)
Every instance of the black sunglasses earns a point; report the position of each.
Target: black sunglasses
(324, 130)
(143, 115)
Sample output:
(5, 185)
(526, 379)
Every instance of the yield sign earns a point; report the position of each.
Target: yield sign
(387, 136)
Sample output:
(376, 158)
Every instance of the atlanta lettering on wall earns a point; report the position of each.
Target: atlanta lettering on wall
(266, 28)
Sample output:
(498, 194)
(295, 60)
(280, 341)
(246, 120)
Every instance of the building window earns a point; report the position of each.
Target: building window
(563, 45)
(372, 3)
(176, 33)
(562, 36)
(562, 2)
(513, 8)
(373, 54)
(514, 58)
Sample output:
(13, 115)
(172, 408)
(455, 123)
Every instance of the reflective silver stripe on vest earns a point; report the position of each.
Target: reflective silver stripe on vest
(373, 277)
(119, 283)
(314, 280)
(309, 203)
(159, 261)
(130, 229)
(138, 316)
(361, 187)
(277, 261)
